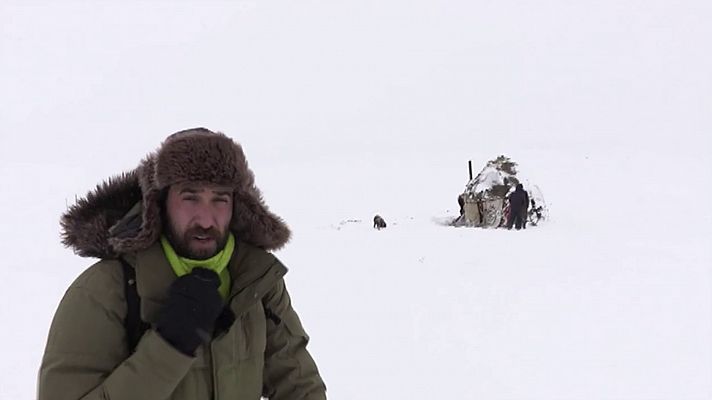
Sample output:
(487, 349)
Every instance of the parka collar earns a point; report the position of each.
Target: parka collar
(253, 272)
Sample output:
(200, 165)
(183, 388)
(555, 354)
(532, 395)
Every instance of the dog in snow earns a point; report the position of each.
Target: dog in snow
(378, 222)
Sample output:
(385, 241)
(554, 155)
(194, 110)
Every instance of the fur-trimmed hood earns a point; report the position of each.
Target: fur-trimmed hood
(123, 214)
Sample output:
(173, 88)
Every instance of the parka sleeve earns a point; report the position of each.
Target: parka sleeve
(290, 372)
(87, 352)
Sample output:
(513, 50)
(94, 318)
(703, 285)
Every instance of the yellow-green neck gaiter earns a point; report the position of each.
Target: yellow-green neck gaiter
(218, 263)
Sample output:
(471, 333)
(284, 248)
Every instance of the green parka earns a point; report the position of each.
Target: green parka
(87, 355)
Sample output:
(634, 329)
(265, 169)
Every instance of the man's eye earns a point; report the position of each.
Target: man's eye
(221, 200)
(190, 198)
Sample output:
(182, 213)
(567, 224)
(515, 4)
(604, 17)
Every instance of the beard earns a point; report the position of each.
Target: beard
(187, 246)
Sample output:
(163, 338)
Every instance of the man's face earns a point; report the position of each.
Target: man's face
(198, 219)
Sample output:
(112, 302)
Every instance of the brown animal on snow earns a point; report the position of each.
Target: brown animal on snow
(379, 222)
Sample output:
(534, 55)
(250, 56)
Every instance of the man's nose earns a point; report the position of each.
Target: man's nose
(204, 217)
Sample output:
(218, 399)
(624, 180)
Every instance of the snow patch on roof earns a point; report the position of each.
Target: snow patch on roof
(495, 180)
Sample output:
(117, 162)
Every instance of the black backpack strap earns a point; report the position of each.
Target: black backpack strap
(135, 327)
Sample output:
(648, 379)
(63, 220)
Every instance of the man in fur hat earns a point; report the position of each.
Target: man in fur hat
(186, 302)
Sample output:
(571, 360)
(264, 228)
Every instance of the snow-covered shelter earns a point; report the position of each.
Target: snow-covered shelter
(484, 201)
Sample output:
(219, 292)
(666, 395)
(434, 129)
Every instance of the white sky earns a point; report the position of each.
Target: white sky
(347, 73)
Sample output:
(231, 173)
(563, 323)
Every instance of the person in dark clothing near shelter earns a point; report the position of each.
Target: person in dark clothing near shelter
(519, 206)
(461, 203)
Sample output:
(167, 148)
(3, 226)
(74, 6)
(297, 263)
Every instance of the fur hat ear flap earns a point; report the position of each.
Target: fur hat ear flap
(131, 234)
(86, 225)
(253, 223)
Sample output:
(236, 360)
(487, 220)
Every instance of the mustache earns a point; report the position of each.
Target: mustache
(212, 233)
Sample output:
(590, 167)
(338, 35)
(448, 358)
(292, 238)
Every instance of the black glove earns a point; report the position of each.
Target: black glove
(193, 305)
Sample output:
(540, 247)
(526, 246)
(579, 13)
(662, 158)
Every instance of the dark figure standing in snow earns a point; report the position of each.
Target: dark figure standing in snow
(518, 206)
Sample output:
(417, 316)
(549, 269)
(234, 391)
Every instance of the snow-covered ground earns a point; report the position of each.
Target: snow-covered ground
(348, 109)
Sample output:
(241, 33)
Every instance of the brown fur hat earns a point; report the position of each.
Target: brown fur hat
(123, 214)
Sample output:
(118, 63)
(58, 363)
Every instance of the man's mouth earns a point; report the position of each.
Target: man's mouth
(202, 238)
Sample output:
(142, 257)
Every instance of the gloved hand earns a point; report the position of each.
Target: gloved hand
(193, 305)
